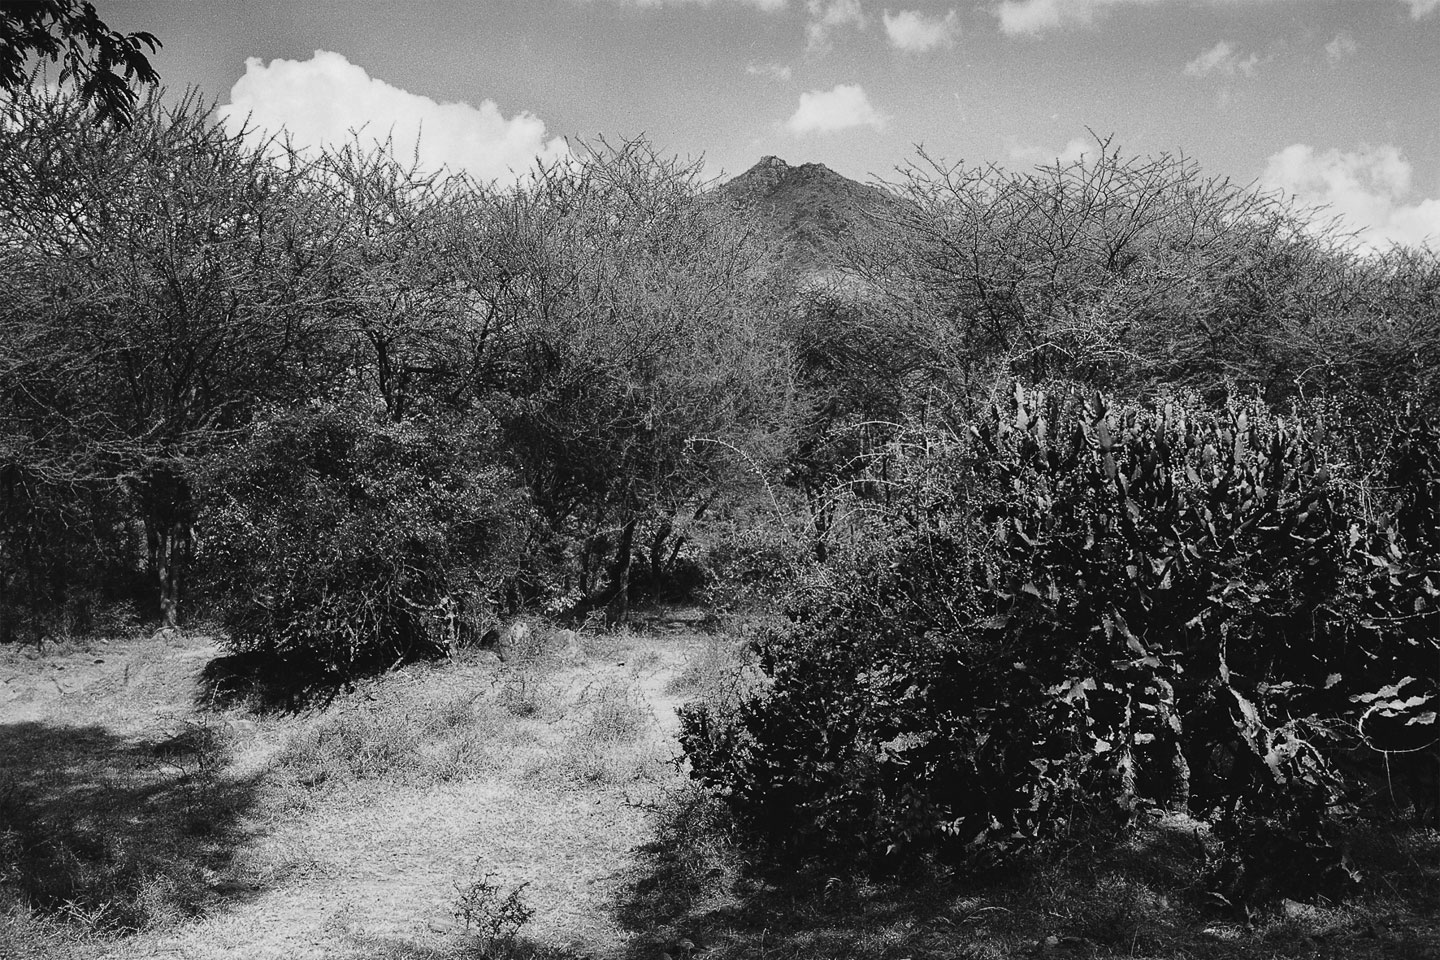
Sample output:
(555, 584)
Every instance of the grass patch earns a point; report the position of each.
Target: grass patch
(710, 673)
(392, 740)
(616, 714)
(616, 739)
(531, 652)
(526, 689)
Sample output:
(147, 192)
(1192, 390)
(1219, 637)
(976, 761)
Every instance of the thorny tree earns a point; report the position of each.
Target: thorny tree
(627, 320)
(164, 282)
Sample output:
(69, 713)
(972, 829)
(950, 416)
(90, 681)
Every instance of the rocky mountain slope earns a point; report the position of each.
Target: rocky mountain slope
(809, 208)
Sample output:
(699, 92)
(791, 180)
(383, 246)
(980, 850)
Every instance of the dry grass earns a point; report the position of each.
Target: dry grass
(614, 737)
(711, 672)
(360, 817)
(390, 739)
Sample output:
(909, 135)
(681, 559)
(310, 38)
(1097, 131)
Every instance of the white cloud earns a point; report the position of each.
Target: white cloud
(913, 31)
(840, 108)
(771, 71)
(826, 16)
(322, 100)
(1073, 152)
(1038, 16)
(1223, 60)
(767, 5)
(1370, 188)
(1342, 47)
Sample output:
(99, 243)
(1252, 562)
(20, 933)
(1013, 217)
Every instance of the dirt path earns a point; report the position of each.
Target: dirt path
(127, 685)
(385, 872)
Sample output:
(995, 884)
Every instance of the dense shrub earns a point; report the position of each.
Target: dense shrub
(345, 541)
(1153, 605)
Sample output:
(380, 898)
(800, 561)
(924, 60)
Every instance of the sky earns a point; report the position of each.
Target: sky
(1334, 101)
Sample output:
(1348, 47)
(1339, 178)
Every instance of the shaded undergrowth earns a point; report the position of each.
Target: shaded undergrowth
(109, 834)
(1146, 893)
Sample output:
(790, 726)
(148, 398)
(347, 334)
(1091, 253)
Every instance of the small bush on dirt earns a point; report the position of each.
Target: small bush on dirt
(525, 689)
(531, 651)
(458, 759)
(194, 753)
(714, 667)
(617, 714)
(455, 714)
(614, 737)
(494, 912)
(345, 542)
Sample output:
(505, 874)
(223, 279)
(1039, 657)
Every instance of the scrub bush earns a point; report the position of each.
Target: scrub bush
(1079, 606)
(341, 541)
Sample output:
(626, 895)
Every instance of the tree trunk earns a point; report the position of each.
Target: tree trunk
(1179, 799)
(657, 552)
(169, 545)
(592, 559)
(166, 507)
(618, 606)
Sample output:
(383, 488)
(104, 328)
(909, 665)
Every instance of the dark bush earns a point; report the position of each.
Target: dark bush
(344, 542)
(1140, 606)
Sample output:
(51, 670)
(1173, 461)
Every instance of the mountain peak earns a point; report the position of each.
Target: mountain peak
(771, 168)
(808, 208)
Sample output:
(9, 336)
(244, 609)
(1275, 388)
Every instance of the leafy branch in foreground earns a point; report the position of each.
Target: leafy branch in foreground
(104, 62)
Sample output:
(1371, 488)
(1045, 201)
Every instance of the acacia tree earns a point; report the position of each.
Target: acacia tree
(1142, 275)
(1121, 271)
(1135, 274)
(627, 323)
(1376, 343)
(393, 297)
(169, 286)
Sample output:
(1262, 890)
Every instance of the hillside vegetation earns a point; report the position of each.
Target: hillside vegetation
(1056, 520)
